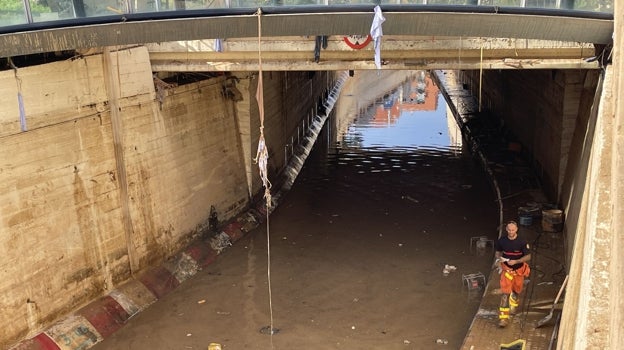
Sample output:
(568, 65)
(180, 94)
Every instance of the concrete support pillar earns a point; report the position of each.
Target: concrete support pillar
(592, 316)
(111, 79)
(616, 338)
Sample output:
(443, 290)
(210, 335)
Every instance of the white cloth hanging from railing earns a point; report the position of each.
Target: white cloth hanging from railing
(377, 32)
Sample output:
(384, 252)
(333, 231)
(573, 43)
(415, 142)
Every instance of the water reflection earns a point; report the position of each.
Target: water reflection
(414, 115)
(404, 142)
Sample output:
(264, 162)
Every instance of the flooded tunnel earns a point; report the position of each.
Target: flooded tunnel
(121, 183)
(373, 246)
(380, 236)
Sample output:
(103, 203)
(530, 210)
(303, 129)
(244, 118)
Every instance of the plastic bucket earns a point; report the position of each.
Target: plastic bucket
(552, 220)
(525, 216)
(525, 220)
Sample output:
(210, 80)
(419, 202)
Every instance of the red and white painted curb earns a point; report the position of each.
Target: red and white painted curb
(99, 319)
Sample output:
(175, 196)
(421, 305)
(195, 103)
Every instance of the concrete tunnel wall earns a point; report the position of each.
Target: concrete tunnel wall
(548, 113)
(102, 177)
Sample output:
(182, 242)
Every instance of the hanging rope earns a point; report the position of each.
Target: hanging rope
(20, 97)
(459, 67)
(262, 157)
(480, 76)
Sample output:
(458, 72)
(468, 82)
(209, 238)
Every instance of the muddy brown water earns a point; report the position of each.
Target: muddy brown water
(357, 249)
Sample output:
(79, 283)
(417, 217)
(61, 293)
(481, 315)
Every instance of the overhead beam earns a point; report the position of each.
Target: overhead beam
(471, 54)
(309, 65)
(398, 52)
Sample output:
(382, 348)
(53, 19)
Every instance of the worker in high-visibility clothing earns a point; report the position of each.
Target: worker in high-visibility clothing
(512, 254)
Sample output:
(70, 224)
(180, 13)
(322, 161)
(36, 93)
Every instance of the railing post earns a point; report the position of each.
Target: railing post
(79, 9)
(28, 11)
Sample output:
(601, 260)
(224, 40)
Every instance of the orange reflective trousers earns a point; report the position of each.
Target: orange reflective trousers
(513, 280)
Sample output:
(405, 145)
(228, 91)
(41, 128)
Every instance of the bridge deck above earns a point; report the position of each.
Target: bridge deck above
(127, 30)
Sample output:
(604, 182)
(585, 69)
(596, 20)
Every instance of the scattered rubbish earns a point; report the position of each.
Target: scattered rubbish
(406, 342)
(441, 341)
(189, 334)
(448, 269)
(473, 281)
(352, 327)
(223, 313)
(183, 267)
(481, 243)
(248, 221)
(268, 330)
(400, 244)
(201, 301)
(466, 187)
(214, 346)
(546, 283)
(220, 242)
(410, 199)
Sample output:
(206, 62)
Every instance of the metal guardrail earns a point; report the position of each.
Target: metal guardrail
(19, 15)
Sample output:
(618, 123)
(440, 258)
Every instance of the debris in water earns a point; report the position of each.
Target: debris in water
(448, 269)
(220, 242)
(268, 330)
(410, 199)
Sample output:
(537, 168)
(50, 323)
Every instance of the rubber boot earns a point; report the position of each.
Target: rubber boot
(513, 303)
(503, 311)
